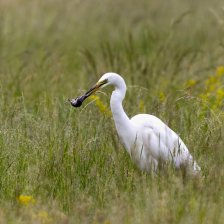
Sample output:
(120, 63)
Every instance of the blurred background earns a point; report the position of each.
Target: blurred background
(47, 43)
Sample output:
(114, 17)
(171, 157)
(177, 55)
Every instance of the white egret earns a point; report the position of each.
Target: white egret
(145, 137)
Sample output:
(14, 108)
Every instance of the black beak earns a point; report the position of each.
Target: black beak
(77, 102)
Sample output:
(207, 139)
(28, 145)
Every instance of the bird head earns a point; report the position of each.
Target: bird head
(107, 79)
(77, 102)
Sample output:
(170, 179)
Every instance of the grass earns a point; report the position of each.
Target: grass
(70, 161)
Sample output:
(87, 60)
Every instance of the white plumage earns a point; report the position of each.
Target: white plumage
(146, 138)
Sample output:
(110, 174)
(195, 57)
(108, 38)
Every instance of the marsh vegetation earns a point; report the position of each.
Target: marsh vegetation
(64, 165)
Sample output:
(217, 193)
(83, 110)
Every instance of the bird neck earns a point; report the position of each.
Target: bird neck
(122, 121)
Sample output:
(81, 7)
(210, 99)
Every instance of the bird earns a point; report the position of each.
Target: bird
(146, 138)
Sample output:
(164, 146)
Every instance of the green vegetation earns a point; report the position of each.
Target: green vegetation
(59, 164)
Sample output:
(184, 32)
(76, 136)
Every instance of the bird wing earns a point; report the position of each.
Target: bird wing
(162, 142)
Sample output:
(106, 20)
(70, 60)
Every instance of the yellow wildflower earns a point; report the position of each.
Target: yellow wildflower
(204, 97)
(220, 93)
(211, 82)
(101, 106)
(162, 96)
(213, 93)
(141, 106)
(219, 97)
(220, 71)
(190, 83)
(44, 217)
(26, 200)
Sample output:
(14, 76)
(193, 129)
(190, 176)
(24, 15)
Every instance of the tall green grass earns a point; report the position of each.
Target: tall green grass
(70, 160)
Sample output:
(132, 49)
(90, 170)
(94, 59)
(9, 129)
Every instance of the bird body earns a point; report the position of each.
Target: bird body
(162, 143)
(146, 138)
